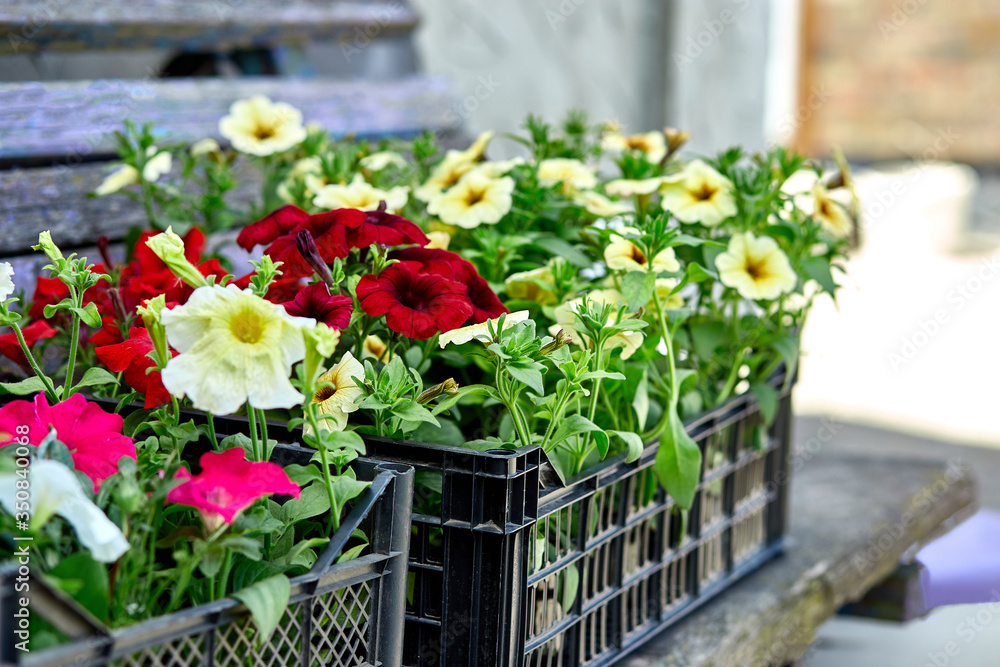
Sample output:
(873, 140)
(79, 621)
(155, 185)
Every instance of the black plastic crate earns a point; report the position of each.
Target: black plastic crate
(492, 573)
(339, 614)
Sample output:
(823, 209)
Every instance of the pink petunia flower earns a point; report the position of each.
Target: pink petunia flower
(227, 485)
(93, 436)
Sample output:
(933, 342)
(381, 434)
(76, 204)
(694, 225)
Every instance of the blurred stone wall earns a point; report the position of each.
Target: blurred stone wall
(903, 78)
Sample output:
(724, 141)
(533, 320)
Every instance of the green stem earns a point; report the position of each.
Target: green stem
(668, 340)
(556, 416)
(223, 581)
(597, 381)
(211, 431)
(74, 343)
(49, 389)
(311, 413)
(263, 434)
(734, 372)
(253, 433)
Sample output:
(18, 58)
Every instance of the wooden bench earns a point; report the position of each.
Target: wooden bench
(55, 137)
(856, 513)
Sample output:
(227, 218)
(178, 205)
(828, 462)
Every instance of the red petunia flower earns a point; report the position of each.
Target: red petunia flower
(385, 229)
(108, 334)
(34, 332)
(48, 291)
(486, 305)
(278, 230)
(93, 436)
(137, 286)
(227, 485)
(146, 261)
(132, 357)
(315, 301)
(415, 304)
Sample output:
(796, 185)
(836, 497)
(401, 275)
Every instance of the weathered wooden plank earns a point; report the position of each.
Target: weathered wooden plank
(71, 119)
(28, 26)
(55, 199)
(853, 517)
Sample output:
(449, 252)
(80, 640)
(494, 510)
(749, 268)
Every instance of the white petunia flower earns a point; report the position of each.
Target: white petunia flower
(339, 400)
(360, 195)
(382, 159)
(6, 282)
(259, 126)
(56, 490)
(698, 194)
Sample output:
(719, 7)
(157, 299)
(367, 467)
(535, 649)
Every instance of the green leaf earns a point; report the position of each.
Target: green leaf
(266, 600)
(767, 398)
(687, 239)
(134, 420)
(410, 411)
(31, 385)
(818, 268)
(351, 553)
(527, 372)
(447, 433)
(93, 593)
(237, 440)
(561, 248)
(641, 401)
(570, 586)
(312, 501)
(578, 425)
(788, 347)
(346, 489)
(604, 375)
(637, 288)
(678, 461)
(696, 273)
(94, 377)
(710, 252)
(707, 337)
(89, 315)
(632, 441)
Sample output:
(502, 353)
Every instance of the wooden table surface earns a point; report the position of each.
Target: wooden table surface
(855, 513)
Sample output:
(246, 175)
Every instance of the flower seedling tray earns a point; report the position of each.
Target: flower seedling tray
(340, 614)
(511, 573)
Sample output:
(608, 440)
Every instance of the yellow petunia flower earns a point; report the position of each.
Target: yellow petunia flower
(360, 195)
(652, 144)
(756, 267)
(573, 174)
(158, 163)
(475, 200)
(522, 285)
(235, 348)
(438, 240)
(830, 213)
(624, 255)
(339, 400)
(259, 126)
(480, 331)
(626, 187)
(382, 159)
(664, 289)
(453, 167)
(698, 194)
(373, 348)
(597, 204)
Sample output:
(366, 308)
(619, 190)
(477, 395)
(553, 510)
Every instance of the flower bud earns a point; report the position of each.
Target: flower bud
(102, 247)
(562, 339)
(675, 139)
(46, 245)
(150, 314)
(170, 249)
(306, 245)
(449, 387)
(118, 305)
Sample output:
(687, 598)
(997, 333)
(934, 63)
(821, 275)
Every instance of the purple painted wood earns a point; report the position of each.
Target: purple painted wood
(74, 25)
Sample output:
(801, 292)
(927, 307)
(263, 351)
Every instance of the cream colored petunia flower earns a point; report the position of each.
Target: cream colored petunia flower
(627, 187)
(438, 240)
(571, 173)
(339, 400)
(360, 195)
(597, 204)
(756, 267)
(374, 348)
(622, 254)
(830, 213)
(668, 299)
(566, 314)
(235, 348)
(158, 164)
(6, 282)
(259, 126)
(522, 285)
(475, 200)
(480, 331)
(698, 194)
(307, 170)
(499, 168)
(453, 167)
(206, 146)
(652, 144)
(383, 159)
